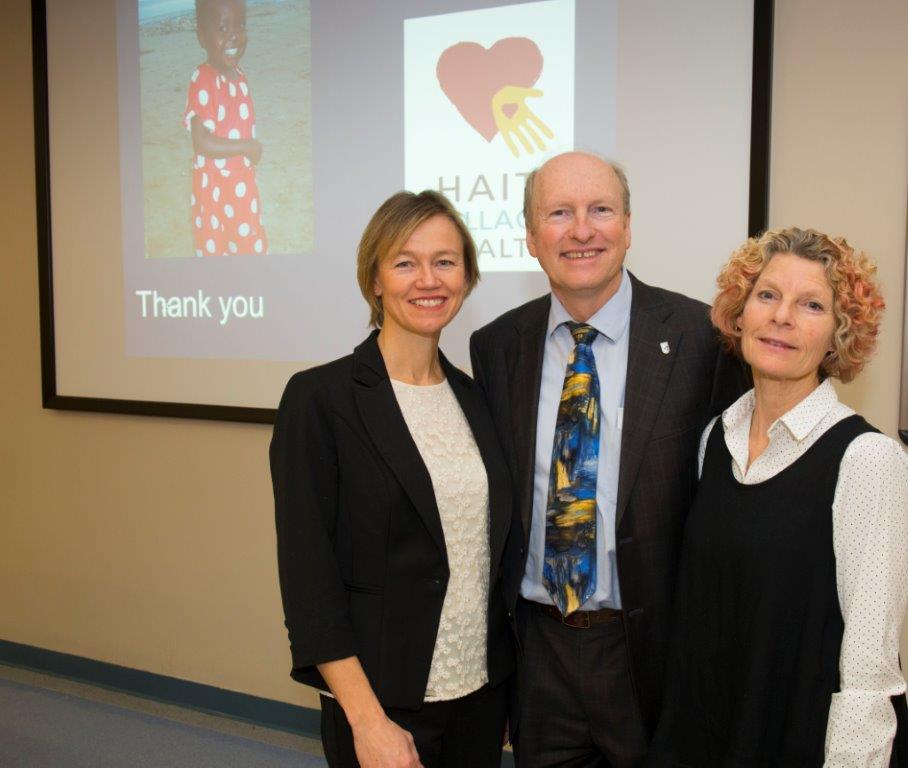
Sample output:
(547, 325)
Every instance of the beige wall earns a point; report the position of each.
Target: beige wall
(149, 542)
(840, 153)
(140, 541)
(840, 156)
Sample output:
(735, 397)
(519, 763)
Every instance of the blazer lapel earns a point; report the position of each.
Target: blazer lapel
(480, 422)
(385, 424)
(648, 369)
(525, 365)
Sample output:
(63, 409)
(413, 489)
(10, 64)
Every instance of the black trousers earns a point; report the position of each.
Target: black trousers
(460, 733)
(576, 699)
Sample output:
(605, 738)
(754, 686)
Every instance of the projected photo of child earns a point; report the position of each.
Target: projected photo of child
(226, 207)
(237, 157)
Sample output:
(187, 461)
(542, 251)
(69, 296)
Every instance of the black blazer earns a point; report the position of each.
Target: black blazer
(361, 552)
(669, 397)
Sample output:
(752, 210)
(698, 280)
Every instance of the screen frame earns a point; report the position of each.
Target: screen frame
(903, 407)
(758, 205)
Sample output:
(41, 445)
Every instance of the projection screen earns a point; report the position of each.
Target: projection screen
(181, 283)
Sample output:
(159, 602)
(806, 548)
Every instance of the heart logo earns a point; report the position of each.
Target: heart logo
(470, 75)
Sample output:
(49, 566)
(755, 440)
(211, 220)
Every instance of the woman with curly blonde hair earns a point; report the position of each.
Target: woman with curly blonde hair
(794, 576)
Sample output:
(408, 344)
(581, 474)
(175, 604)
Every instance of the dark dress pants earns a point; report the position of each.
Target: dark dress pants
(576, 699)
(461, 733)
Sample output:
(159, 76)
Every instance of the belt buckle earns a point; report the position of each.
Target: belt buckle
(582, 617)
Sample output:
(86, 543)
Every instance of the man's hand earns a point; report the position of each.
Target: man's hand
(384, 744)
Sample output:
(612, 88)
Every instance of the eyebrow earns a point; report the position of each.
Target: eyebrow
(812, 291)
(443, 252)
(565, 204)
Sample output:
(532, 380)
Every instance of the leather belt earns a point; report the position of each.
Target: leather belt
(580, 619)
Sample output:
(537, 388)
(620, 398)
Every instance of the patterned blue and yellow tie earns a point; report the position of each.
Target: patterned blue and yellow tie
(569, 570)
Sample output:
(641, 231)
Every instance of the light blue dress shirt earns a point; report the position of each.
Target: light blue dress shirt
(610, 350)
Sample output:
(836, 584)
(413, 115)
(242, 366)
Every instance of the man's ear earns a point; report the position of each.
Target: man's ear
(531, 242)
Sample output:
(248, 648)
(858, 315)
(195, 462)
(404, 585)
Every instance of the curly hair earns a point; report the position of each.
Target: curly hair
(857, 302)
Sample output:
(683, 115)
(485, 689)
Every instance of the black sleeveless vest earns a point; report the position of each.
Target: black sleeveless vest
(758, 628)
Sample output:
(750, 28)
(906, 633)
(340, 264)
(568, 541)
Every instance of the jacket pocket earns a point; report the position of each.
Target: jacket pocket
(364, 589)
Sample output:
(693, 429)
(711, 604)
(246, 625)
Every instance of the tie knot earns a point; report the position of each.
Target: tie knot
(582, 333)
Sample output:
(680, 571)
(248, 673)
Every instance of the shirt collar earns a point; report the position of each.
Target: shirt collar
(804, 417)
(737, 416)
(800, 421)
(611, 320)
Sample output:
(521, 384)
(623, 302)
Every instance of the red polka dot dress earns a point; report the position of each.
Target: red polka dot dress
(226, 207)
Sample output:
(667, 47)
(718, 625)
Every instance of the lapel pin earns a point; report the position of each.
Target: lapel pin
(663, 345)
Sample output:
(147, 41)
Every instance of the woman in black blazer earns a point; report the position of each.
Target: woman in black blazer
(392, 504)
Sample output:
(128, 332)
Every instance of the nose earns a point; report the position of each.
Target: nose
(783, 313)
(582, 232)
(426, 277)
(234, 29)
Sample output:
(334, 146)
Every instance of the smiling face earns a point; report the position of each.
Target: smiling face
(422, 286)
(221, 29)
(787, 325)
(579, 231)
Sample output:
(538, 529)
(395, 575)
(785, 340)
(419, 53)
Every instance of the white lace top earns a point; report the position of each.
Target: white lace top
(447, 447)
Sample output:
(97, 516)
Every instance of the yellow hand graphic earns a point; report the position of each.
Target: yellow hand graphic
(521, 123)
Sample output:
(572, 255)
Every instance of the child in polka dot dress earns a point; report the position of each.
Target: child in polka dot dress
(226, 208)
